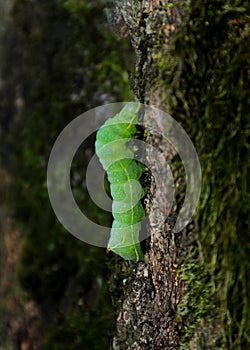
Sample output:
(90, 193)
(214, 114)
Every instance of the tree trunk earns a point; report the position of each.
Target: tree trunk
(147, 319)
(174, 72)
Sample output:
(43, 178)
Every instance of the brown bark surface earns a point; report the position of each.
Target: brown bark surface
(148, 316)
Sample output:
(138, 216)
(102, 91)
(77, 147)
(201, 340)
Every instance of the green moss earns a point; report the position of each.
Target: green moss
(205, 80)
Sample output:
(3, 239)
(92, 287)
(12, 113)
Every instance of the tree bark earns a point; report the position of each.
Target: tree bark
(148, 316)
(200, 75)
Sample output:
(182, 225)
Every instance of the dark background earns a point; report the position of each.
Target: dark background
(58, 59)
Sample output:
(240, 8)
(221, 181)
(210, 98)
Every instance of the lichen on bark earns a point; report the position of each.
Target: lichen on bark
(147, 317)
(192, 61)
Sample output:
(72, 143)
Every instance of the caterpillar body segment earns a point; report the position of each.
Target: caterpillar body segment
(123, 173)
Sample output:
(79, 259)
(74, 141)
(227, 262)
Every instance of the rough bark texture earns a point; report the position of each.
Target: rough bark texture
(148, 316)
(193, 61)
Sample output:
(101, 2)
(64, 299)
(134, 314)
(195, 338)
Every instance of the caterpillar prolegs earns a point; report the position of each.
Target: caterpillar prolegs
(123, 173)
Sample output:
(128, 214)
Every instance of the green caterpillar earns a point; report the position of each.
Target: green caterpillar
(123, 173)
